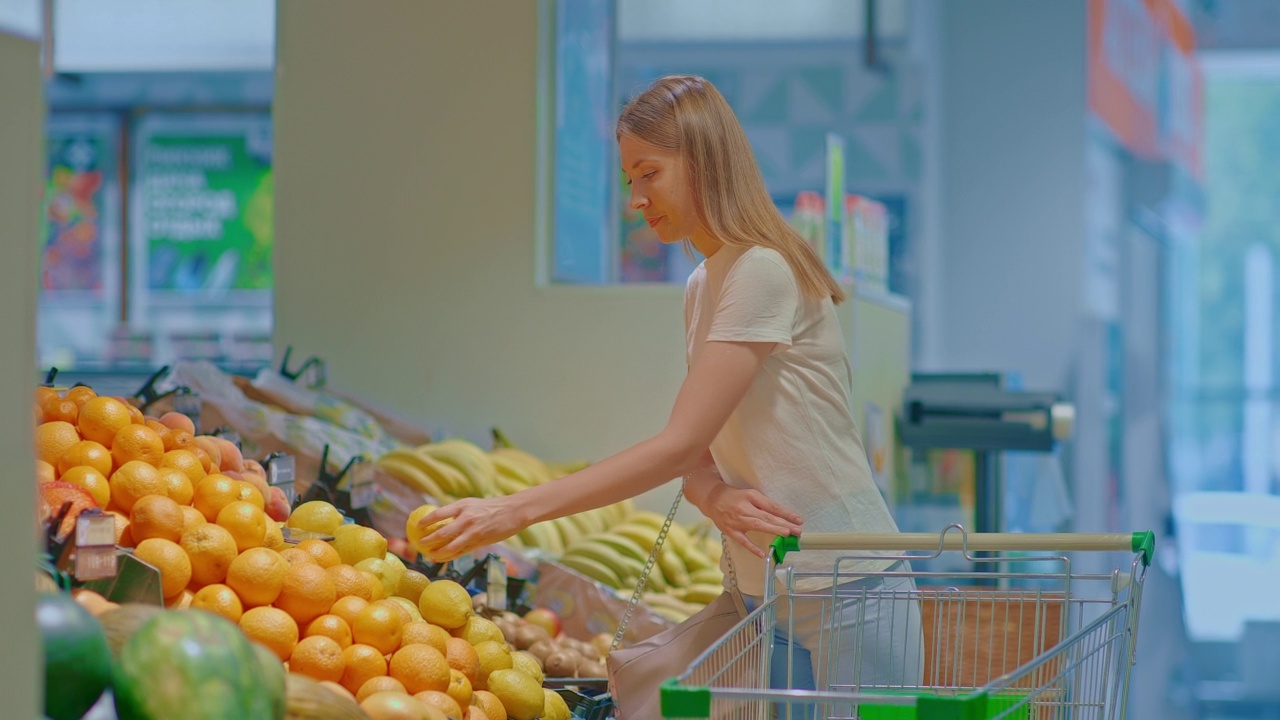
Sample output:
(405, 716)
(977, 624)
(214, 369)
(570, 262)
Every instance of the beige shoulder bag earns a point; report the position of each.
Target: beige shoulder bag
(637, 673)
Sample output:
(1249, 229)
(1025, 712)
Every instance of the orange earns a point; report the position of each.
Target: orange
(348, 581)
(324, 554)
(296, 556)
(187, 462)
(80, 394)
(180, 440)
(191, 517)
(46, 473)
(137, 442)
(405, 617)
(247, 523)
(271, 627)
(378, 684)
(421, 631)
(257, 576)
(135, 414)
(332, 627)
(101, 418)
(378, 626)
(442, 701)
(59, 409)
(220, 600)
(462, 657)
(155, 516)
(307, 592)
(203, 456)
(490, 704)
(162, 430)
(177, 485)
(89, 479)
(246, 492)
(123, 537)
(274, 538)
(319, 657)
(213, 493)
(459, 688)
(420, 667)
(178, 421)
(45, 393)
(134, 480)
(212, 550)
(181, 601)
(86, 452)
(53, 439)
(363, 662)
(377, 590)
(347, 607)
(170, 559)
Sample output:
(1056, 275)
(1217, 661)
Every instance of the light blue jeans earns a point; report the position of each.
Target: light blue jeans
(869, 637)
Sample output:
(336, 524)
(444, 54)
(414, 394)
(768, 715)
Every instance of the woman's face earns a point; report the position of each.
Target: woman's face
(659, 189)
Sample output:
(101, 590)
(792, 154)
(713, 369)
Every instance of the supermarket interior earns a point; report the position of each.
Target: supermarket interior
(284, 276)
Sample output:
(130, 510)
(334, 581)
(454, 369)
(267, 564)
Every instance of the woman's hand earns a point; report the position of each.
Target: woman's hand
(738, 511)
(472, 523)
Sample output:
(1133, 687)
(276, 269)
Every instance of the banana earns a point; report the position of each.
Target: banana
(530, 465)
(648, 518)
(508, 486)
(639, 534)
(593, 570)
(625, 567)
(568, 532)
(701, 594)
(512, 471)
(624, 545)
(514, 542)
(679, 539)
(713, 547)
(449, 479)
(543, 537)
(706, 576)
(414, 478)
(673, 568)
(695, 559)
(469, 459)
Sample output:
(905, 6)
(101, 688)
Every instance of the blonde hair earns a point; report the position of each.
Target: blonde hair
(688, 115)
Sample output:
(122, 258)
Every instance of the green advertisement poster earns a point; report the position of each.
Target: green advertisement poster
(205, 203)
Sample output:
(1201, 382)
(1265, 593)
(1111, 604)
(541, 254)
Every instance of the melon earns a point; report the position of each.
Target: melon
(77, 661)
(193, 665)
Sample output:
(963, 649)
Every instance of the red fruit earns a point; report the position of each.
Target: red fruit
(277, 504)
(547, 619)
(57, 493)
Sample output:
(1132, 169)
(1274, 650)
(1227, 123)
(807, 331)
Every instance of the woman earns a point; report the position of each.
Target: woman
(762, 429)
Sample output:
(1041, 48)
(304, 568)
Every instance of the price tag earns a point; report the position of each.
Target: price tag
(281, 472)
(496, 589)
(95, 546)
(363, 491)
(188, 403)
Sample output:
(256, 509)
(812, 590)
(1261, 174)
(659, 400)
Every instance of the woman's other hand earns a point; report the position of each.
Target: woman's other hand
(472, 523)
(739, 511)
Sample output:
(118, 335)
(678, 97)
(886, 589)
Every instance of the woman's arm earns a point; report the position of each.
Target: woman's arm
(738, 511)
(716, 383)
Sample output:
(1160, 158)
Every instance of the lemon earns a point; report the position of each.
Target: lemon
(407, 605)
(383, 571)
(413, 533)
(274, 538)
(356, 542)
(494, 656)
(526, 663)
(412, 583)
(554, 706)
(445, 603)
(315, 516)
(518, 693)
(477, 630)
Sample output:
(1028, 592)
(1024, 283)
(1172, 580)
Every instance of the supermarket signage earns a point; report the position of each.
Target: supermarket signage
(206, 203)
(95, 546)
(79, 241)
(1143, 79)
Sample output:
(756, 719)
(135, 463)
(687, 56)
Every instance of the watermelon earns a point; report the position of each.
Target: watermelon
(77, 661)
(193, 665)
(273, 673)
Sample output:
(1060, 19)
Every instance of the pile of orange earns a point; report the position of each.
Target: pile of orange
(345, 612)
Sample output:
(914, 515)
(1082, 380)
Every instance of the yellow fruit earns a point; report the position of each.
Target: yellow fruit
(274, 538)
(321, 551)
(384, 572)
(411, 585)
(527, 664)
(489, 704)
(554, 707)
(421, 631)
(349, 581)
(410, 608)
(315, 516)
(477, 630)
(318, 657)
(459, 688)
(88, 478)
(462, 657)
(357, 542)
(519, 694)
(445, 603)
(492, 656)
(169, 558)
(413, 533)
(273, 628)
(46, 473)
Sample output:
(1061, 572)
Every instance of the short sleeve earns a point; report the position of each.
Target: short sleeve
(758, 303)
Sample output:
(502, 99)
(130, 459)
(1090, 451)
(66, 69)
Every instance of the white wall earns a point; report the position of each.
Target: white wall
(405, 180)
(21, 177)
(1011, 225)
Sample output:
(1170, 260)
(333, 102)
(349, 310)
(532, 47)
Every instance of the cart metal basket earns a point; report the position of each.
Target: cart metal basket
(1021, 635)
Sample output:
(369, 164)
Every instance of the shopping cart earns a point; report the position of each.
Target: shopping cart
(1020, 635)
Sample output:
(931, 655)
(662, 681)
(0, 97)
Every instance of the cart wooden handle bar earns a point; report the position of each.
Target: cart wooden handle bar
(1136, 542)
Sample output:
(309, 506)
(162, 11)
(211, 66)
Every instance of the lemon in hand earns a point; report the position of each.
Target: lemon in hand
(415, 535)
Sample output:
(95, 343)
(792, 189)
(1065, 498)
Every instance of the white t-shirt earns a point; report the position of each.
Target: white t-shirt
(793, 437)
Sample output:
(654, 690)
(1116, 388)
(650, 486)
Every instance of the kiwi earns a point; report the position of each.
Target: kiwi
(592, 670)
(540, 649)
(528, 634)
(562, 664)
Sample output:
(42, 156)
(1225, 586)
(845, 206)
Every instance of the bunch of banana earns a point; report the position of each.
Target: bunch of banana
(423, 473)
(467, 458)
